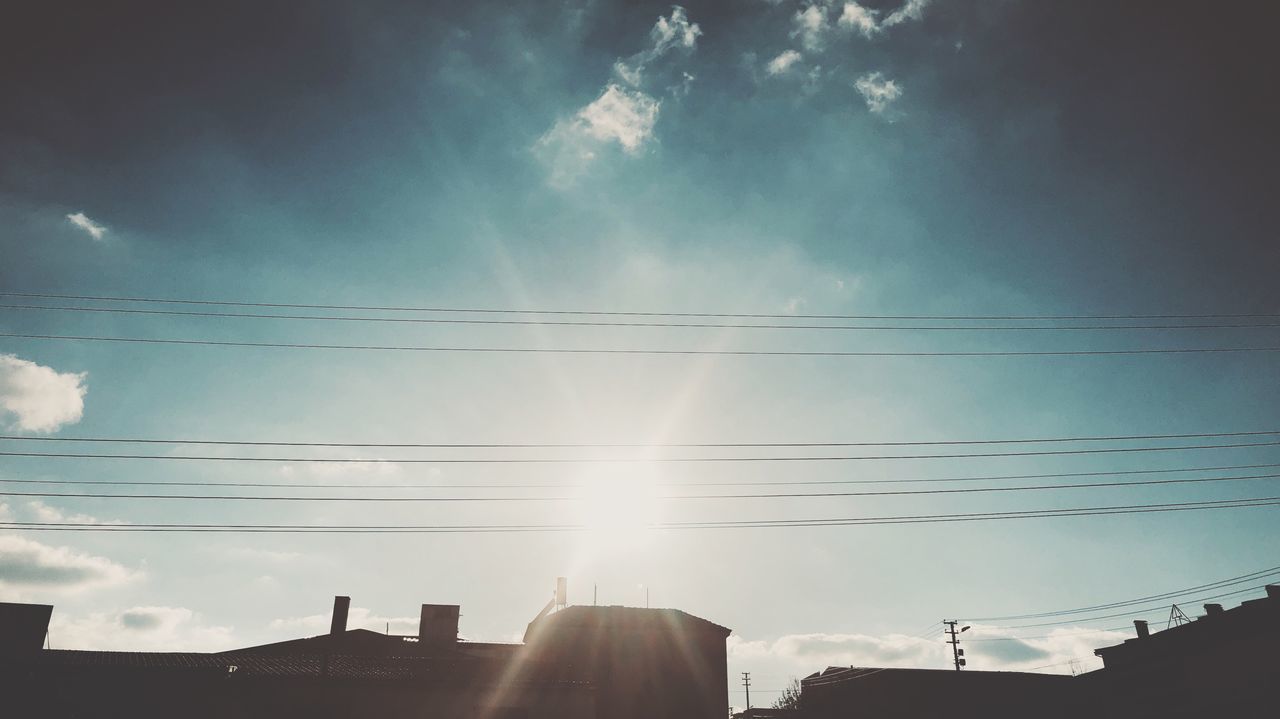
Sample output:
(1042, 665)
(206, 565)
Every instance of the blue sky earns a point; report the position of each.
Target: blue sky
(775, 157)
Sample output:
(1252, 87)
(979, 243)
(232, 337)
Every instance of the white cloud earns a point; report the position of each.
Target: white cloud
(375, 467)
(624, 116)
(39, 398)
(623, 113)
(146, 628)
(668, 33)
(27, 565)
(856, 17)
(81, 220)
(910, 10)
(621, 116)
(810, 26)
(41, 512)
(357, 618)
(798, 655)
(878, 91)
(783, 62)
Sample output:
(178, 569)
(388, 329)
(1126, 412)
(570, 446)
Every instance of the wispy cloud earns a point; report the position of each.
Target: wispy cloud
(38, 398)
(623, 115)
(157, 628)
(856, 17)
(783, 62)
(357, 618)
(81, 220)
(668, 33)
(26, 565)
(910, 10)
(810, 27)
(878, 92)
(41, 512)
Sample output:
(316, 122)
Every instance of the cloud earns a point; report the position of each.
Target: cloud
(797, 655)
(26, 565)
(81, 220)
(374, 467)
(856, 17)
(39, 398)
(621, 116)
(668, 33)
(357, 618)
(783, 62)
(140, 629)
(41, 512)
(910, 10)
(810, 26)
(879, 92)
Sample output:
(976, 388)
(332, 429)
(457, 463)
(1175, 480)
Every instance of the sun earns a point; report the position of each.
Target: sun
(619, 506)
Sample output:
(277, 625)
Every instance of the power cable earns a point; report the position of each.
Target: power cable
(639, 445)
(615, 323)
(564, 498)
(567, 485)
(630, 460)
(725, 524)
(438, 309)
(650, 352)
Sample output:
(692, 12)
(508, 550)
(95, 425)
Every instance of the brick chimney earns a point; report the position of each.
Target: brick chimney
(1140, 626)
(438, 624)
(1273, 591)
(1212, 609)
(339, 624)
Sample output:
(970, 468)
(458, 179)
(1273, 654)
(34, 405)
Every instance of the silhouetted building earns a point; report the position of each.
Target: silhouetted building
(576, 663)
(911, 693)
(1225, 663)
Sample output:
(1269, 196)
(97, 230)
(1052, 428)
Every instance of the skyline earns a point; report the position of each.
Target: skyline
(663, 177)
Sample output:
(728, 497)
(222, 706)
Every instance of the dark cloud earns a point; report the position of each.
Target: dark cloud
(140, 619)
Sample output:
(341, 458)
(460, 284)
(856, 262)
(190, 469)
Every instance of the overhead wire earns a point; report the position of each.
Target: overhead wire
(640, 351)
(630, 460)
(1129, 602)
(564, 485)
(616, 313)
(562, 498)
(633, 324)
(694, 525)
(638, 445)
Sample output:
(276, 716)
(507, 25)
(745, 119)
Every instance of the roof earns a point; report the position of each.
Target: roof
(1249, 620)
(618, 617)
(833, 676)
(238, 665)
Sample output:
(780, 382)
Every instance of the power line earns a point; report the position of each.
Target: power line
(725, 524)
(615, 313)
(630, 460)
(1129, 602)
(616, 323)
(639, 445)
(1144, 610)
(652, 352)
(565, 498)
(564, 485)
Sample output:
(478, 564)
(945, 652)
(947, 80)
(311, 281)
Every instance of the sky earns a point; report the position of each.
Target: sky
(769, 157)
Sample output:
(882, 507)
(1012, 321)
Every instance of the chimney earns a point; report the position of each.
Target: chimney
(23, 628)
(438, 624)
(1212, 609)
(340, 607)
(1140, 626)
(1273, 591)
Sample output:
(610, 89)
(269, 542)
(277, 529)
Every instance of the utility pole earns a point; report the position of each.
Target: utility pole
(746, 684)
(957, 654)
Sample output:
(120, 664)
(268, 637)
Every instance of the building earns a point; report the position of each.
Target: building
(909, 693)
(575, 663)
(1225, 663)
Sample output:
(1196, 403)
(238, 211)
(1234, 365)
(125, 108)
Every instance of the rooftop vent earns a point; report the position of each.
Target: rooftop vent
(341, 605)
(1140, 626)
